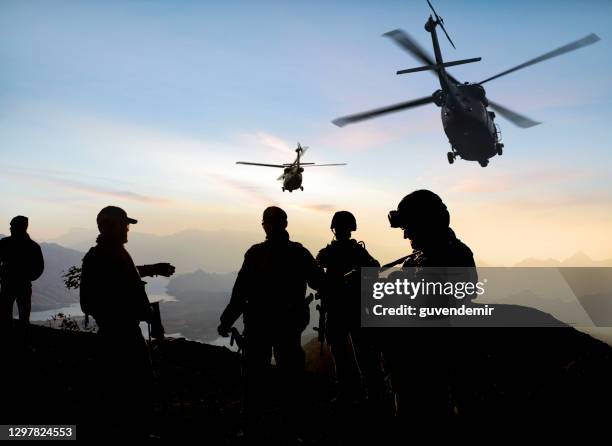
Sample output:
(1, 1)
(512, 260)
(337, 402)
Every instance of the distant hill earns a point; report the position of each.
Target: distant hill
(49, 291)
(201, 297)
(579, 259)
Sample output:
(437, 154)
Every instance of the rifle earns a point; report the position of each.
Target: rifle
(156, 329)
(322, 328)
(382, 269)
(392, 264)
(238, 339)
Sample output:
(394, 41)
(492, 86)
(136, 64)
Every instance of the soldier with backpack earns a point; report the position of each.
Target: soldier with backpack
(357, 364)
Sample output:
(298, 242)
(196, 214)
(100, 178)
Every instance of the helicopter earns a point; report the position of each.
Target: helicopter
(292, 173)
(470, 127)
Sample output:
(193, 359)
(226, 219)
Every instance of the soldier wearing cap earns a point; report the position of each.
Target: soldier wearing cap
(356, 363)
(270, 294)
(113, 293)
(21, 262)
(421, 360)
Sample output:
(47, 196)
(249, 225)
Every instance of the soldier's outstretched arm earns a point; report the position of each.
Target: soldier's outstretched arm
(157, 269)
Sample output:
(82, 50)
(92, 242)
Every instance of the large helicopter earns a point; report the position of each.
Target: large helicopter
(469, 126)
(292, 173)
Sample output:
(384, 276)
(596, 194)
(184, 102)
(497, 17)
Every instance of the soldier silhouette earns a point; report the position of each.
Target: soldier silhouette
(356, 362)
(270, 294)
(113, 293)
(21, 262)
(420, 359)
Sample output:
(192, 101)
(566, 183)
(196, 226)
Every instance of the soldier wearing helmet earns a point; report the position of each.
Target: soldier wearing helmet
(421, 375)
(424, 218)
(357, 367)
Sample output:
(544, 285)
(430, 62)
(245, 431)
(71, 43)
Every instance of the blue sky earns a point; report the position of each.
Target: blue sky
(147, 104)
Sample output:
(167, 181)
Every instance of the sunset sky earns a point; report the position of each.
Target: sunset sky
(148, 104)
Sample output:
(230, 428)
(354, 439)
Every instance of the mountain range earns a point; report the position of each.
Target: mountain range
(200, 295)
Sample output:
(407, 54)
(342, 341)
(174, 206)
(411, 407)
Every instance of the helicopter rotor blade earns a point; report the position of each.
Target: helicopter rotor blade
(404, 41)
(260, 164)
(522, 121)
(350, 119)
(585, 41)
(446, 34)
(440, 21)
(325, 165)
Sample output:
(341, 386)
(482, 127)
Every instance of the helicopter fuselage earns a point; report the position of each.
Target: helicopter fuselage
(292, 178)
(292, 172)
(467, 122)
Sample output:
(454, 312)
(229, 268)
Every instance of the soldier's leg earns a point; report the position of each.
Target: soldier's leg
(257, 356)
(24, 305)
(421, 381)
(7, 299)
(347, 371)
(370, 365)
(127, 380)
(142, 382)
(290, 358)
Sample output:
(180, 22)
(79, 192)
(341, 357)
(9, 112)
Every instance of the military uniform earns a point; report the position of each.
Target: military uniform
(113, 293)
(21, 262)
(421, 360)
(270, 293)
(356, 362)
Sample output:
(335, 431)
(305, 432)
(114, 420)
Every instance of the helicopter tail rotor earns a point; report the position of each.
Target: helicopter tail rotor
(301, 150)
(440, 21)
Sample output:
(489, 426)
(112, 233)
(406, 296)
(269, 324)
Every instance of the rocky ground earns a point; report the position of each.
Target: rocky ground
(519, 375)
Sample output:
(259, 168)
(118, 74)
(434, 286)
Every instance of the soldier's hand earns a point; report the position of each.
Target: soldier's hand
(224, 331)
(163, 269)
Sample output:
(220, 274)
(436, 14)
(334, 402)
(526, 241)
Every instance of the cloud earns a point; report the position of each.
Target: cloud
(362, 137)
(507, 181)
(321, 207)
(88, 188)
(114, 193)
(269, 141)
(250, 189)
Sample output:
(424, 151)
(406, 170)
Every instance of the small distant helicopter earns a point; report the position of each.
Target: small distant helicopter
(469, 126)
(292, 173)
